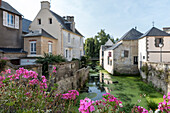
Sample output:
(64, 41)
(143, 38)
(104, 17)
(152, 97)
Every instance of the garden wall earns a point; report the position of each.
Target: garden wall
(158, 74)
(69, 76)
(36, 67)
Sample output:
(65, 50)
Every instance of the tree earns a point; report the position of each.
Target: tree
(92, 45)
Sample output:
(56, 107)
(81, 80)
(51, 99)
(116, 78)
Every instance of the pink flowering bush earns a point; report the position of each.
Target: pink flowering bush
(140, 109)
(165, 105)
(25, 91)
(108, 103)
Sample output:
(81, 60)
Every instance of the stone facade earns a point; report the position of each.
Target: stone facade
(158, 74)
(41, 45)
(119, 62)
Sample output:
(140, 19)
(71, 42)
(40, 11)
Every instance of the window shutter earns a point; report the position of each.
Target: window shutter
(16, 22)
(4, 18)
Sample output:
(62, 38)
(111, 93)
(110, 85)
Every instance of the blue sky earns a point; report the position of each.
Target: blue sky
(115, 16)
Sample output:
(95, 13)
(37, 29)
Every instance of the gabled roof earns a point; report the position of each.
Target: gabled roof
(108, 43)
(37, 33)
(155, 32)
(25, 25)
(133, 34)
(64, 25)
(115, 46)
(12, 50)
(8, 7)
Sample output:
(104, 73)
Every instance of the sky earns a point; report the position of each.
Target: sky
(115, 16)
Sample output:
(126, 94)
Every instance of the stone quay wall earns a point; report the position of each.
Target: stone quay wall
(68, 76)
(158, 74)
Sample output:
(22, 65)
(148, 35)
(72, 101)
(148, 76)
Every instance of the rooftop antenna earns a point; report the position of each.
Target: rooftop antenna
(153, 23)
(136, 27)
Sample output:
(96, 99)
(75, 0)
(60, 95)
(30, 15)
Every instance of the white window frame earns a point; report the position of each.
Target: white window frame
(70, 53)
(50, 48)
(10, 20)
(34, 52)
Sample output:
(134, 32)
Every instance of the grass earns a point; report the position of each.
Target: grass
(131, 89)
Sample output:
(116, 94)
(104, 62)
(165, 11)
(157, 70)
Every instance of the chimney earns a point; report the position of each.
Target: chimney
(70, 19)
(45, 5)
(166, 29)
(0, 3)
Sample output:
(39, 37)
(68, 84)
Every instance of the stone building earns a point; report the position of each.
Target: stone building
(66, 41)
(122, 57)
(108, 44)
(154, 46)
(11, 43)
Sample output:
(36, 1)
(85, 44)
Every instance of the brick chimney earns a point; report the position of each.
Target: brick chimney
(0, 2)
(45, 5)
(70, 19)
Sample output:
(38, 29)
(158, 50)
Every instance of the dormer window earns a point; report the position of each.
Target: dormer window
(10, 20)
(50, 21)
(39, 21)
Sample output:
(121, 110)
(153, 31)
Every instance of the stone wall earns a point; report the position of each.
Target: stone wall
(158, 74)
(68, 75)
(37, 67)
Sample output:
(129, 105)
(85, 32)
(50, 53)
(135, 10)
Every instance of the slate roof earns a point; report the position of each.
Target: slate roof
(42, 32)
(133, 34)
(25, 25)
(155, 32)
(8, 7)
(114, 47)
(109, 42)
(12, 50)
(64, 25)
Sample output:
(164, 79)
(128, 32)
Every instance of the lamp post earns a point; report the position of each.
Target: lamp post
(160, 45)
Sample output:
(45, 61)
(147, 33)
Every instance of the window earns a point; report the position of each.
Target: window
(66, 55)
(33, 47)
(39, 21)
(69, 53)
(50, 21)
(158, 41)
(143, 57)
(10, 20)
(108, 58)
(80, 41)
(135, 60)
(69, 37)
(126, 53)
(102, 53)
(80, 53)
(110, 54)
(110, 62)
(49, 47)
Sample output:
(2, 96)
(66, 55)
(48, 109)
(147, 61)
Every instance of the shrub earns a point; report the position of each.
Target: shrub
(2, 64)
(49, 59)
(152, 105)
(25, 92)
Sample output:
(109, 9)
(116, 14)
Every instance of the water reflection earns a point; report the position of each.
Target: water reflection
(96, 84)
(106, 79)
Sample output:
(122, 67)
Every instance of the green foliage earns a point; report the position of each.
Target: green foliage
(145, 69)
(92, 45)
(146, 88)
(152, 105)
(127, 108)
(2, 64)
(49, 59)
